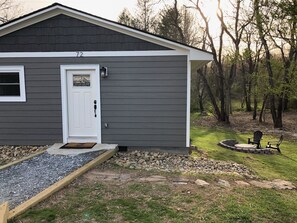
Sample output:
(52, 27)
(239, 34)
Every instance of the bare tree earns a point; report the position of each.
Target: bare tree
(250, 63)
(276, 24)
(219, 112)
(284, 38)
(9, 9)
(178, 24)
(126, 18)
(234, 31)
(144, 17)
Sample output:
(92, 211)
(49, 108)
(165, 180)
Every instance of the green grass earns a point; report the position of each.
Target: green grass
(164, 203)
(150, 203)
(282, 165)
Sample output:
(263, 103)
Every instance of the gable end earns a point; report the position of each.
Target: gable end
(63, 33)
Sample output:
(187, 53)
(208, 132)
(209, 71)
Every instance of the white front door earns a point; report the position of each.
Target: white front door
(83, 104)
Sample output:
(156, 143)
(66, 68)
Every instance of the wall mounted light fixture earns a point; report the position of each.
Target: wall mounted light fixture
(103, 72)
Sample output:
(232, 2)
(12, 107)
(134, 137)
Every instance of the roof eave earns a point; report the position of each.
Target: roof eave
(56, 9)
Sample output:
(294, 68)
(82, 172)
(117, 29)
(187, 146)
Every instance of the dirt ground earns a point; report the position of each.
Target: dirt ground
(107, 175)
(243, 122)
(101, 195)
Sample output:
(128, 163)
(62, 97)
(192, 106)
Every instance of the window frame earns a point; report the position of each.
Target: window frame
(21, 71)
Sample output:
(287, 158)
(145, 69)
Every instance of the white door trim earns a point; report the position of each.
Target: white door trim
(63, 72)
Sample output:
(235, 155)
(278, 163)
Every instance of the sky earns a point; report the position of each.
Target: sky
(109, 9)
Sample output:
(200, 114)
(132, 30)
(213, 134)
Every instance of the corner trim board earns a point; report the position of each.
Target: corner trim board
(188, 110)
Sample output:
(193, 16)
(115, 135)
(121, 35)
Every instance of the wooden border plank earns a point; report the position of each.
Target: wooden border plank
(4, 209)
(21, 160)
(60, 184)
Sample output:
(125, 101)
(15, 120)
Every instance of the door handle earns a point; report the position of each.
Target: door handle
(95, 108)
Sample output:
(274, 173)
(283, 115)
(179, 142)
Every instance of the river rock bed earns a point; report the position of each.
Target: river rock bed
(12, 153)
(178, 163)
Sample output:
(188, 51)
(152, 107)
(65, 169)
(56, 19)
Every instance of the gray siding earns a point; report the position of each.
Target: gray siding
(143, 101)
(64, 33)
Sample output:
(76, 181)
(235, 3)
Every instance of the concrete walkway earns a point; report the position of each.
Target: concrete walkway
(55, 149)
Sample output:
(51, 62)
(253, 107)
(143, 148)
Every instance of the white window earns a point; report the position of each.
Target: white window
(12, 84)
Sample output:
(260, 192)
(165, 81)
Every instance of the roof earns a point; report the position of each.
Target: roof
(56, 9)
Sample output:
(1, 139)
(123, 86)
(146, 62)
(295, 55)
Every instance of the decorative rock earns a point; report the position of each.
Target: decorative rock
(246, 148)
(223, 183)
(125, 177)
(201, 183)
(264, 184)
(242, 183)
(181, 181)
(282, 184)
(177, 163)
(155, 178)
(12, 153)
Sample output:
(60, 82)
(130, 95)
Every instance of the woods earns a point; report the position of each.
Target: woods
(254, 44)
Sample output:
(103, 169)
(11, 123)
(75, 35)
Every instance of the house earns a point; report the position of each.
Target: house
(66, 75)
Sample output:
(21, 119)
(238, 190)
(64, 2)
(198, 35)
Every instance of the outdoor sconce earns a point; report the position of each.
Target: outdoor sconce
(103, 72)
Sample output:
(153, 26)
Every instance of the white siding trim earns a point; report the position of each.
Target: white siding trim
(63, 72)
(21, 71)
(188, 115)
(94, 54)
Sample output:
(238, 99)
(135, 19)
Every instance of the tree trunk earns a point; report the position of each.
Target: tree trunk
(201, 106)
(255, 108)
(228, 103)
(246, 86)
(248, 98)
(210, 94)
(222, 99)
(279, 117)
(261, 116)
(259, 21)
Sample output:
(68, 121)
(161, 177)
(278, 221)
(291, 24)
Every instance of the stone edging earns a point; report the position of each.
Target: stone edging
(105, 176)
(230, 144)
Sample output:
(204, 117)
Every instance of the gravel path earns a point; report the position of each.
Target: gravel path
(22, 181)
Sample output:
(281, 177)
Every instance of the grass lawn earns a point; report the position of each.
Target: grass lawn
(150, 203)
(91, 200)
(282, 165)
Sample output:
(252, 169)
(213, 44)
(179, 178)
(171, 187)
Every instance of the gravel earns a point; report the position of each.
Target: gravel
(178, 163)
(22, 181)
(12, 153)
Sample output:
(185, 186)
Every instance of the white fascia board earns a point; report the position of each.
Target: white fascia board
(93, 54)
(200, 55)
(29, 20)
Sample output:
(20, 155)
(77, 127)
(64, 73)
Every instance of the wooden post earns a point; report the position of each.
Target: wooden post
(4, 209)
